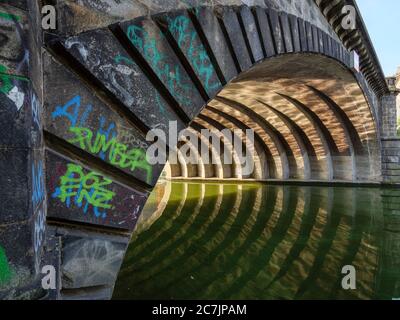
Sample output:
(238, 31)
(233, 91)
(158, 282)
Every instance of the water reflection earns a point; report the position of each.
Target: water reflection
(251, 241)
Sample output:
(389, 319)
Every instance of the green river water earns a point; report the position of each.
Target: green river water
(253, 241)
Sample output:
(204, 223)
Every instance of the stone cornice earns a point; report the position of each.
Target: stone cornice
(357, 40)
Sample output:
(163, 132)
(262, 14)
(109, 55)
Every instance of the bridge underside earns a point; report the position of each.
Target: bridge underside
(77, 114)
(311, 122)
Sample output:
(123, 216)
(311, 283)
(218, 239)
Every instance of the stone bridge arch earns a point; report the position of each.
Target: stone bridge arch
(103, 84)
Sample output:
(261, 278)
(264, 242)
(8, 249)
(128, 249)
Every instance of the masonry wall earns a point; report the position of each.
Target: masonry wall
(390, 138)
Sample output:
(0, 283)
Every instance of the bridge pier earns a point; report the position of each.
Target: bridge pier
(389, 134)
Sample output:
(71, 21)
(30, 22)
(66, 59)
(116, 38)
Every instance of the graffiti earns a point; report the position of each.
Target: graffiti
(159, 103)
(5, 270)
(38, 189)
(17, 97)
(110, 72)
(104, 142)
(119, 58)
(74, 116)
(10, 17)
(147, 45)
(13, 39)
(35, 110)
(118, 153)
(89, 262)
(39, 235)
(9, 89)
(85, 190)
(196, 53)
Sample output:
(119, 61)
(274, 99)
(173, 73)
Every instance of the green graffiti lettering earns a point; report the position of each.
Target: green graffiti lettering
(118, 153)
(5, 80)
(9, 16)
(90, 187)
(5, 270)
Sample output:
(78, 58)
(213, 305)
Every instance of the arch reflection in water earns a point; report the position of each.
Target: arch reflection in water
(253, 241)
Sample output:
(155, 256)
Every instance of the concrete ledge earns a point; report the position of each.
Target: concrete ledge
(338, 183)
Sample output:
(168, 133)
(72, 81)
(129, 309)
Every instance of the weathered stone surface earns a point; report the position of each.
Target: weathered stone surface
(276, 31)
(17, 262)
(15, 196)
(284, 19)
(77, 193)
(315, 38)
(217, 42)
(20, 114)
(104, 57)
(181, 28)
(266, 34)
(251, 32)
(22, 4)
(85, 15)
(294, 27)
(14, 51)
(35, 43)
(321, 42)
(309, 33)
(148, 39)
(303, 35)
(325, 41)
(235, 34)
(84, 294)
(76, 115)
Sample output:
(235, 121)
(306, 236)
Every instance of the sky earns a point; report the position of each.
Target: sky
(382, 18)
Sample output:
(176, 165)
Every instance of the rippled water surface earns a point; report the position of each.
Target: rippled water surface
(253, 241)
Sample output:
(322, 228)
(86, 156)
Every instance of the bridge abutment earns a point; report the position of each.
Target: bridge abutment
(389, 133)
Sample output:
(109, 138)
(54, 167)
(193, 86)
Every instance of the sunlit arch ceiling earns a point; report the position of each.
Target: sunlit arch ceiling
(305, 110)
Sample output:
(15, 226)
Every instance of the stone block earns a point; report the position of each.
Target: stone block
(151, 43)
(216, 40)
(76, 193)
(250, 29)
(235, 34)
(310, 41)
(303, 35)
(265, 30)
(294, 27)
(315, 38)
(15, 181)
(100, 52)
(78, 116)
(91, 260)
(20, 114)
(276, 31)
(181, 28)
(287, 36)
(391, 159)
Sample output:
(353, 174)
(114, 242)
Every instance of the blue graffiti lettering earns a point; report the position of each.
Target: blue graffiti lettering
(38, 189)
